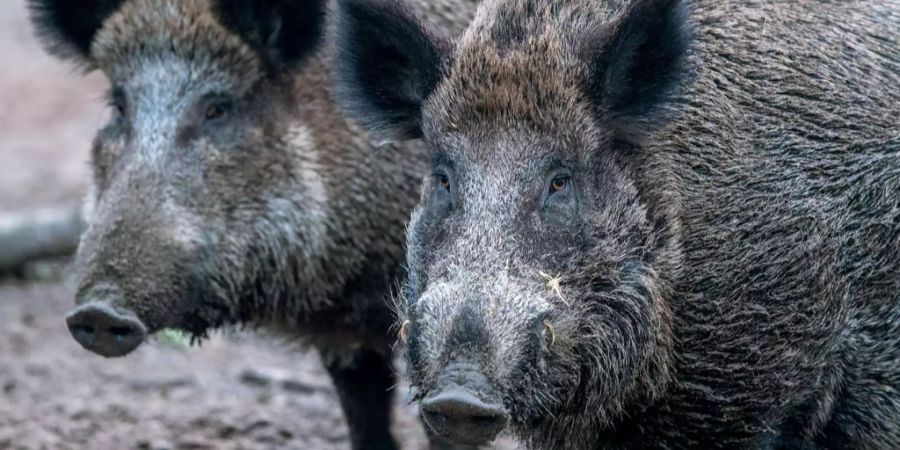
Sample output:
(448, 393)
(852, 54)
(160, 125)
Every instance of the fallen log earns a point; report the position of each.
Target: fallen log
(34, 235)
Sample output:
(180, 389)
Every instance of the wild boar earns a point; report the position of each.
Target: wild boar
(650, 223)
(227, 189)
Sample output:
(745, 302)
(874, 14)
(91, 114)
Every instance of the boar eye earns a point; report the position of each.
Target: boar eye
(217, 111)
(559, 183)
(443, 181)
(441, 188)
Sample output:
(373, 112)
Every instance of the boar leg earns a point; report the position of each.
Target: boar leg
(364, 382)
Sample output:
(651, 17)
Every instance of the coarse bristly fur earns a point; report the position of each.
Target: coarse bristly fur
(227, 189)
(652, 223)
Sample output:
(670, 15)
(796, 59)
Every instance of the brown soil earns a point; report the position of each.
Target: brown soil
(236, 391)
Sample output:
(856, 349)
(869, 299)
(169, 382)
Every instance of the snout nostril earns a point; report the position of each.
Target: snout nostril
(485, 420)
(462, 418)
(121, 331)
(435, 418)
(105, 331)
(82, 333)
(82, 329)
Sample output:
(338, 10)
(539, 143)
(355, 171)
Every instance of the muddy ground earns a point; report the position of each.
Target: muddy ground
(236, 391)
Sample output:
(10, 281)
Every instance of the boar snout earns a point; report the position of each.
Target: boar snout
(464, 410)
(105, 331)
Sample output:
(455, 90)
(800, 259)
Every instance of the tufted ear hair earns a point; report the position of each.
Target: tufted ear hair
(67, 28)
(387, 64)
(284, 32)
(639, 61)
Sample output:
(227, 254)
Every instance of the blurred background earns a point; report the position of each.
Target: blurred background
(236, 391)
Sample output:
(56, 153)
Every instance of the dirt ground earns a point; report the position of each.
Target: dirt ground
(236, 391)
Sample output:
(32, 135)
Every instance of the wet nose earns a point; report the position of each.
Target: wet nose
(461, 418)
(102, 330)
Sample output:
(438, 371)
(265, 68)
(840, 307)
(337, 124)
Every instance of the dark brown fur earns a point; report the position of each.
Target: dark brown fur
(726, 271)
(278, 215)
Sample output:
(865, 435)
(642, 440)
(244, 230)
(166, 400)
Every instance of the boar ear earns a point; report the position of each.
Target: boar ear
(67, 27)
(284, 32)
(386, 65)
(640, 60)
